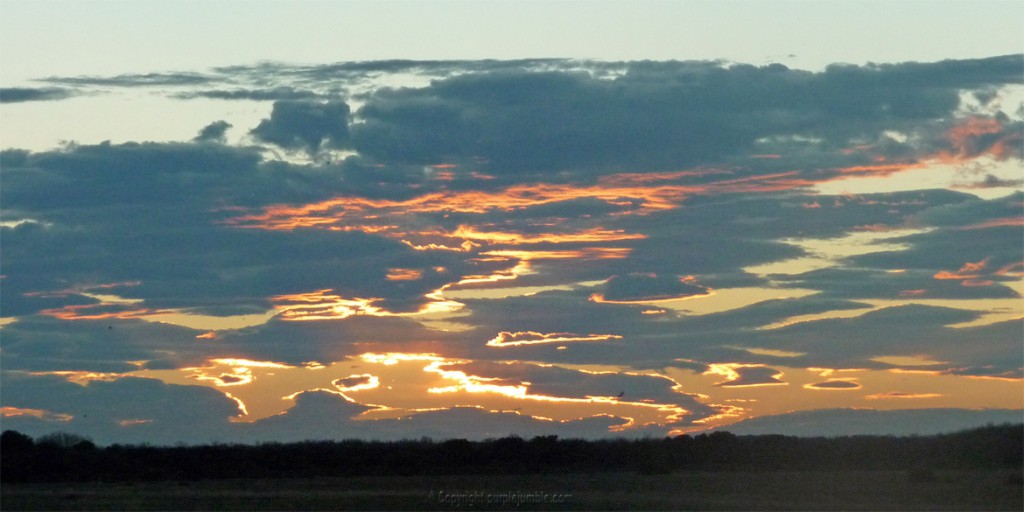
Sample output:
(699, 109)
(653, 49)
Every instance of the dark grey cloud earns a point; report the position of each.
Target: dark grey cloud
(992, 181)
(632, 287)
(566, 383)
(155, 213)
(950, 250)
(306, 125)
(176, 225)
(182, 78)
(752, 376)
(973, 249)
(654, 341)
(658, 116)
(852, 422)
(153, 412)
(713, 237)
(320, 415)
(911, 330)
(22, 94)
(995, 351)
(297, 342)
(835, 384)
(213, 132)
(538, 116)
(131, 173)
(273, 94)
(19, 304)
(357, 72)
(98, 411)
(193, 268)
(40, 343)
(863, 283)
(970, 212)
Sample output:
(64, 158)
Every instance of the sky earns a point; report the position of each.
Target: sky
(275, 221)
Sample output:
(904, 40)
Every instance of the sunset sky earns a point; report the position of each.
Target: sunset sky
(249, 221)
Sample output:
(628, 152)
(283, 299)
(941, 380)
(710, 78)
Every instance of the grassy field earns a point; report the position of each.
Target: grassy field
(698, 490)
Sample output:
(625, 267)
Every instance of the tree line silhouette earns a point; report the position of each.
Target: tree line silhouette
(68, 457)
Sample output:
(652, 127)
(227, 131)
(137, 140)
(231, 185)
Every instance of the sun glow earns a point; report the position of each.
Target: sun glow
(397, 384)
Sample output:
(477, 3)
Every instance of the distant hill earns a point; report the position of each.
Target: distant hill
(848, 422)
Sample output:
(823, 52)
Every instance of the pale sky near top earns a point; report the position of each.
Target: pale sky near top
(66, 38)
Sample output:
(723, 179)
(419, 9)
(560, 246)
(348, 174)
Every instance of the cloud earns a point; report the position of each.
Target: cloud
(39, 343)
(194, 267)
(132, 174)
(568, 383)
(657, 116)
(970, 211)
(153, 214)
(213, 132)
(274, 94)
(992, 181)
(746, 375)
(873, 283)
(647, 287)
(851, 422)
(320, 415)
(834, 384)
(305, 125)
(23, 94)
(908, 330)
(514, 339)
(135, 80)
(497, 212)
(331, 340)
(156, 413)
(950, 249)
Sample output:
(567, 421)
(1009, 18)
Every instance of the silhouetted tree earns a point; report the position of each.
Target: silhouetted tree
(12, 440)
(66, 440)
(69, 457)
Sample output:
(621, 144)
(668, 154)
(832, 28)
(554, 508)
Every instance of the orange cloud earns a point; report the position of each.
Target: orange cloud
(1013, 269)
(403, 274)
(966, 139)
(515, 339)
(82, 378)
(587, 253)
(357, 382)
(968, 271)
(635, 193)
(600, 298)
(97, 312)
(996, 223)
(734, 373)
(326, 305)
(881, 169)
(633, 179)
(901, 395)
(586, 235)
(10, 412)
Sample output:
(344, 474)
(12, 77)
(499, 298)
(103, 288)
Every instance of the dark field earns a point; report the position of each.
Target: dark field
(686, 490)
